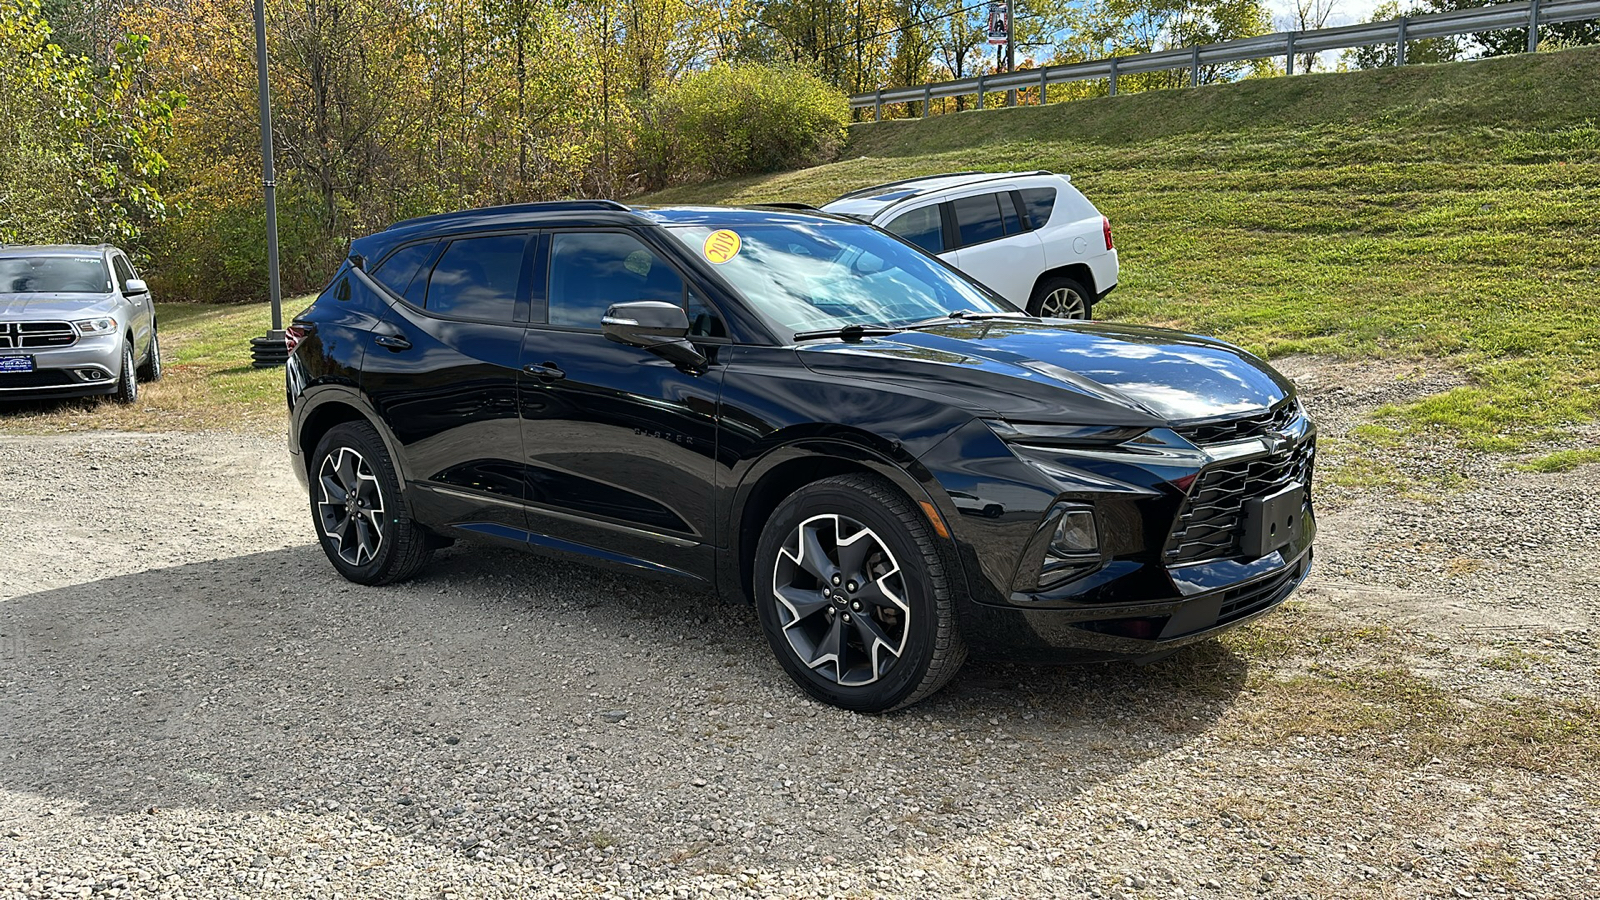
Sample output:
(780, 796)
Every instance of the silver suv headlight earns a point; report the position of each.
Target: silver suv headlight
(101, 325)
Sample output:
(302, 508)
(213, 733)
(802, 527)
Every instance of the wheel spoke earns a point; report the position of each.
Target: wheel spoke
(813, 558)
(873, 637)
(345, 468)
(879, 594)
(853, 554)
(802, 602)
(831, 648)
(332, 490)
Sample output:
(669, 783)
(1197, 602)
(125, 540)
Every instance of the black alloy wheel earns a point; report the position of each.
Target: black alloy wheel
(854, 596)
(356, 505)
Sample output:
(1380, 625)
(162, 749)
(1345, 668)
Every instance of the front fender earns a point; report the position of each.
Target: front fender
(825, 449)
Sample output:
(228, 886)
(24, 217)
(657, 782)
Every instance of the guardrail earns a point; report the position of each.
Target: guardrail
(1528, 14)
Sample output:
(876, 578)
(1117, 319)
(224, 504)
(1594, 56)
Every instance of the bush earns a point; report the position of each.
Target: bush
(740, 120)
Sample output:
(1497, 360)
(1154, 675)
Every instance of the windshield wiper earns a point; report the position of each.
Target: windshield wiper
(970, 315)
(848, 333)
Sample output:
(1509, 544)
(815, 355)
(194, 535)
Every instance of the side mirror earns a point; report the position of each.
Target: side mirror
(135, 287)
(661, 328)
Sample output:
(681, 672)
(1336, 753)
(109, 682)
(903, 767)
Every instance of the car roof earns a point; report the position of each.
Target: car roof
(592, 213)
(870, 201)
(15, 250)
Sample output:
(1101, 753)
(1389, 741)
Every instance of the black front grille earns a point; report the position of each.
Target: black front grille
(36, 335)
(1278, 418)
(1242, 601)
(42, 378)
(1212, 520)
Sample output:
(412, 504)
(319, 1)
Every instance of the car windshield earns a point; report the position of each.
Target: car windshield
(54, 275)
(816, 276)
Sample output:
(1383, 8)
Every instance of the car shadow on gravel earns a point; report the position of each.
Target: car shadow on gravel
(506, 705)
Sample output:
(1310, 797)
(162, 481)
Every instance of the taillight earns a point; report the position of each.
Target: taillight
(1105, 228)
(294, 334)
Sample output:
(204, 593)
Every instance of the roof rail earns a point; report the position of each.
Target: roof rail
(511, 209)
(989, 176)
(889, 184)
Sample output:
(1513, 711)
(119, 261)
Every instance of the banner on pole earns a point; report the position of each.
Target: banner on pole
(999, 25)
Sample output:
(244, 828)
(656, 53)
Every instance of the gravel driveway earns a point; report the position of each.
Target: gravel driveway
(194, 705)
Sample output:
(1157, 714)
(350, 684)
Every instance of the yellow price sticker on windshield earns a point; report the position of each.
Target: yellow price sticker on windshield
(722, 246)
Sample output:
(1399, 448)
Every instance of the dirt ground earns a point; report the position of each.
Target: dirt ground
(194, 705)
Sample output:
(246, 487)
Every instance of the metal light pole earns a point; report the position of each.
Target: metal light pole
(268, 351)
(1011, 48)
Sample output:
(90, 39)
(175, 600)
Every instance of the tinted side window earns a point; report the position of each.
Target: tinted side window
(703, 322)
(124, 271)
(396, 272)
(978, 218)
(1039, 201)
(591, 271)
(921, 227)
(1008, 209)
(478, 278)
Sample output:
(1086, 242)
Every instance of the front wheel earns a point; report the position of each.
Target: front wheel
(356, 505)
(855, 596)
(127, 389)
(1061, 298)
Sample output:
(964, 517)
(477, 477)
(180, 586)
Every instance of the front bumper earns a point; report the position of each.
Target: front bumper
(1155, 586)
(87, 368)
(1130, 631)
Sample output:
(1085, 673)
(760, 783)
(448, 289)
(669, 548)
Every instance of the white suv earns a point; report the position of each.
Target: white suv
(1030, 236)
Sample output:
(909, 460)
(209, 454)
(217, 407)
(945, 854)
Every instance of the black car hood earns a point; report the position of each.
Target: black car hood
(1048, 370)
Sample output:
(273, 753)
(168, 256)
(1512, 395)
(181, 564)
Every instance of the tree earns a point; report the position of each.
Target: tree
(1308, 15)
(1427, 50)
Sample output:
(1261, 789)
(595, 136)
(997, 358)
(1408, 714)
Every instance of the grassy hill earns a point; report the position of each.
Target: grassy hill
(1449, 212)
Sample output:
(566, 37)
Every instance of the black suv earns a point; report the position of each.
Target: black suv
(894, 463)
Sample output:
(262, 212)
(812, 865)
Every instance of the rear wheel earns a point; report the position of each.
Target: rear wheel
(855, 596)
(151, 370)
(127, 389)
(1061, 298)
(356, 505)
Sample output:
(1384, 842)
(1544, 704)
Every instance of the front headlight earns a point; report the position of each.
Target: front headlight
(101, 325)
(1050, 435)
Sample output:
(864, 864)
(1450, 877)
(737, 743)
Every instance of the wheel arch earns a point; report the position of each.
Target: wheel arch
(318, 413)
(786, 469)
(1079, 272)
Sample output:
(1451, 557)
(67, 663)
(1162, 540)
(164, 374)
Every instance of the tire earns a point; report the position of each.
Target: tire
(127, 390)
(367, 533)
(1061, 298)
(151, 370)
(906, 596)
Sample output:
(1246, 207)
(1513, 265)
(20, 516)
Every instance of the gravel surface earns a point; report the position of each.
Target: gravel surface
(196, 706)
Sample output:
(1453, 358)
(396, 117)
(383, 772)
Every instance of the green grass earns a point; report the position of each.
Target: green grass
(1437, 211)
(1563, 460)
(208, 380)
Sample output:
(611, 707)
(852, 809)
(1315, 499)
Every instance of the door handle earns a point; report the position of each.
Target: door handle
(547, 371)
(395, 342)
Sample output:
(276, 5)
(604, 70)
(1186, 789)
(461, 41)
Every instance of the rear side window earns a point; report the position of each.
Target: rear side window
(922, 227)
(978, 219)
(1039, 202)
(478, 278)
(396, 272)
(591, 271)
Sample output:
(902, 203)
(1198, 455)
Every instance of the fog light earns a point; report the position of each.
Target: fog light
(91, 374)
(1075, 534)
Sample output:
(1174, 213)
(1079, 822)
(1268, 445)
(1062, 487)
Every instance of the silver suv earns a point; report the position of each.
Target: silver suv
(1031, 237)
(75, 321)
